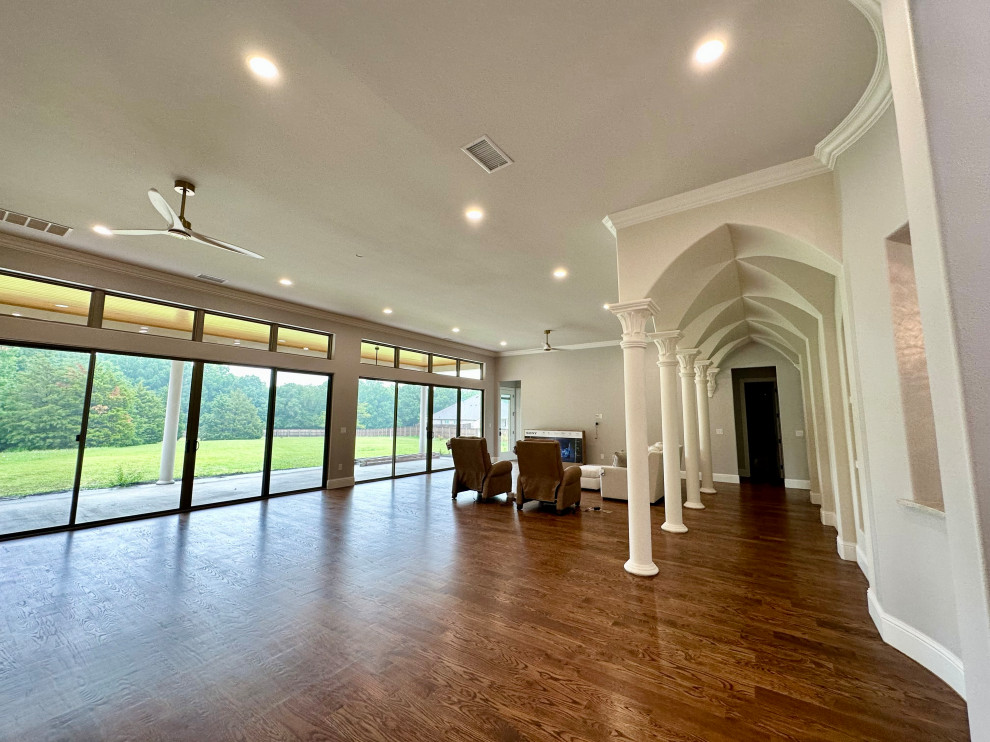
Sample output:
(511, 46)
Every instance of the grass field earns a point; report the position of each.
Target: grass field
(36, 472)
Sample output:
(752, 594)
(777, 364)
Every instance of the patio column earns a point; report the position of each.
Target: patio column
(424, 419)
(666, 344)
(704, 426)
(634, 315)
(173, 403)
(689, 408)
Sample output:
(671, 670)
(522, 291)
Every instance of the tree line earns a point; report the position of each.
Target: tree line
(42, 393)
(376, 403)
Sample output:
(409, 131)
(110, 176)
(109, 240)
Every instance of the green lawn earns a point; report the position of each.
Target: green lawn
(36, 472)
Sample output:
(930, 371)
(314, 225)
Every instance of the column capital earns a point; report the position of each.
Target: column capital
(685, 357)
(634, 315)
(701, 371)
(667, 344)
(712, 384)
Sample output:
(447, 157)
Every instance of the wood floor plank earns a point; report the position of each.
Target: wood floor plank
(390, 612)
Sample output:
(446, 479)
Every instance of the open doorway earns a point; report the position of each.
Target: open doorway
(508, 418)
(759, 445)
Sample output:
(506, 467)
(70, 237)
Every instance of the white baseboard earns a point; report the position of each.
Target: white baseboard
(816, 498)
(846, 549)
(921, 648)
(828, 518)
(727, 478)
(864, 565)
(336, 484)
(798, 484)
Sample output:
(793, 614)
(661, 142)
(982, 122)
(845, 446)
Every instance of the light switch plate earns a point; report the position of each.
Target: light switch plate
(718, 431)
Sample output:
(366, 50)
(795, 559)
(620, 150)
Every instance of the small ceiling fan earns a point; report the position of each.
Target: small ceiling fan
(546, 342)
(178, 225)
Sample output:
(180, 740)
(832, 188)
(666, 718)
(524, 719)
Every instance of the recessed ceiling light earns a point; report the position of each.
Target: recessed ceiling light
(474, 215)
(62, 306)
(560, 273)
(105, 231)
(237, 342)
(709, 51)
(17, 314)
(455, 329)
(386, 310)
(604, 306)
(285, 281)
(144, 327)
(358, 255)
(263, 67)
(503, 343)
(305, 348)
(143, 330)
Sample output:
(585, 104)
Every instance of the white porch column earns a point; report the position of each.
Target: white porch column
(666, 344)
(173, 401)
(634, 315)
(424, 418)
(704, 426)
(689, 408)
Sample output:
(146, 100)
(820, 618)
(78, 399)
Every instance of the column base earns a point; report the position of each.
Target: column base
(643, 570)
(165, 481)
(673, 527)
(708, 491)
(694, 505)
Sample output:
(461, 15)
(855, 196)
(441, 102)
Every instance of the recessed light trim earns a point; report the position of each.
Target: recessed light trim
(16, 314)
(474, 214)
(285, 281)
(263, 68)
(605, 306)
(103, 231)
(709, 52)
(560, 273)
(386, 310)
(455, 329)
(61, 306)
(503, 343)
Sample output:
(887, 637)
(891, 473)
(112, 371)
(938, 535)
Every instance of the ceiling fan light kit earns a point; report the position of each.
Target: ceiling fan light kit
(177, 224)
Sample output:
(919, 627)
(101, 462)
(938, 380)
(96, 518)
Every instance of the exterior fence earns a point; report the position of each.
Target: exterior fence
(298, 432)
(439, 431)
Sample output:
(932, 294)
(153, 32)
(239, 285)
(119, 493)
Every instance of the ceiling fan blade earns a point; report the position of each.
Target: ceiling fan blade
(224, 245)
(139, 232)
(162, 207)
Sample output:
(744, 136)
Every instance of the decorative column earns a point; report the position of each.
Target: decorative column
(666, 344)
(704, 426)
(689, 408)
(712, 384)
(173, 401)
(634, 315)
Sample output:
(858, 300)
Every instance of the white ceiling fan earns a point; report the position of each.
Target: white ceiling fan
(178, 225)
(546, 343)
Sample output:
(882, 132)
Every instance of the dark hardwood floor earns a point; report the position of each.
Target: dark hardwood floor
(389, 612)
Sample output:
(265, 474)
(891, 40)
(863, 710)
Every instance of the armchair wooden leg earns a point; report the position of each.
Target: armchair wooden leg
(519, 502)
(453, 496)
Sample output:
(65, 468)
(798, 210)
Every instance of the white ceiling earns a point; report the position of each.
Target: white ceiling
(357, 148)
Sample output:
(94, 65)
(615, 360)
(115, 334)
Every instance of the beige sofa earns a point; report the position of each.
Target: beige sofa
(615, 480)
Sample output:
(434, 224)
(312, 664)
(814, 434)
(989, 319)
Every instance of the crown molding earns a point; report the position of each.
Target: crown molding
(777, 175)
(109, 265)
(874, 101)
(577, 346)
(609, 226)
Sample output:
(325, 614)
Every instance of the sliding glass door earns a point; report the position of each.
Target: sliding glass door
(42, 405)
(133, 459)
(299, 436)
(230, 456)
(404, 428)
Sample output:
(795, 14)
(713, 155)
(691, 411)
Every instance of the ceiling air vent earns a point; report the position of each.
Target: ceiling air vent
(211, 279)
(487, 154)
(42, 225)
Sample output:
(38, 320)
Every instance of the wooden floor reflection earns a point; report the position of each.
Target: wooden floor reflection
(389, 612)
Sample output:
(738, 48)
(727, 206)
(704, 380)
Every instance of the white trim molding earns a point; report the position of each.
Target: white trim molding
(875, 100)
(864, 564)
(816, 498)
(828, 518)
(797, 484)
(340, 483)
(726, 478)
(759, 180)
(846, 549)
(918, 646)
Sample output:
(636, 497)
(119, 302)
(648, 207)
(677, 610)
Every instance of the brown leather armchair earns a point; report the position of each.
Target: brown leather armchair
(542, 476)
(473, 468)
